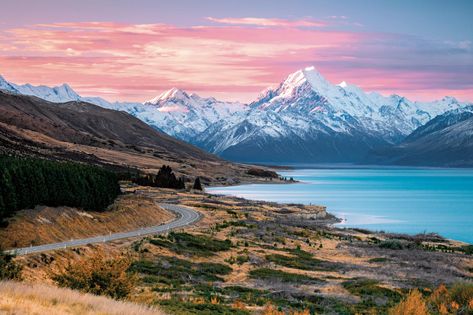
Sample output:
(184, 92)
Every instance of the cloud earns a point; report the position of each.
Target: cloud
(138, 61)
(269, 22)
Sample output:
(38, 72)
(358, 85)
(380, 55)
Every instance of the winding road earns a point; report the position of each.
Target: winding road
(185, 217)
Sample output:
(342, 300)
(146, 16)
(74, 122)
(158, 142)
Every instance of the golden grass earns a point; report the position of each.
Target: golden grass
(47, 224)
(20, 298)
(414, 304)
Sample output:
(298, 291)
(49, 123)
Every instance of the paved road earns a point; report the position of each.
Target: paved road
(185, 216)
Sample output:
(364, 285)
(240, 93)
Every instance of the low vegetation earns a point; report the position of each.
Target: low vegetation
(185, 243)
(262, 173)
(99, 275)
(9, 269)
(249, 258)
(172, 272)
(282, 276)
(300, 260)
(458, 299)
(27, 182)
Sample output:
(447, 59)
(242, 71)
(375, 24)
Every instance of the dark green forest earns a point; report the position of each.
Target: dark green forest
(27, 182)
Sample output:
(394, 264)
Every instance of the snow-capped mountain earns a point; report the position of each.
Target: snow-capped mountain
(174, 112)
(185, 115)
(308, 119)
(446, 140)
(57, 94)
(305, 119)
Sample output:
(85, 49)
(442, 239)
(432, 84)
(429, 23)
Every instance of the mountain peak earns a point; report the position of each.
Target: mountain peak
(308, 74)
(169, 94)
(343, 84)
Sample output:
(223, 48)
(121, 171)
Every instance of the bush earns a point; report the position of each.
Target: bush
(185, 243)
(9, 270)
(396, 244)
(456, 300)
(301, 260)
(414, 304)
(278, 275)
(368, 287)
(175, 306)
(171, 271)
(98, 275)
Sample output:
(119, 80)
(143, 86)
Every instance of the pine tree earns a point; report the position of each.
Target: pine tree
(197, 184)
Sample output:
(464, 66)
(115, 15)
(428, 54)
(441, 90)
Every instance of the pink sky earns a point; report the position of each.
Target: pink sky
(231, 59)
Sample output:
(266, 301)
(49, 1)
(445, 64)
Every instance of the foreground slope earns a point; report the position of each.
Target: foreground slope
(22, 298)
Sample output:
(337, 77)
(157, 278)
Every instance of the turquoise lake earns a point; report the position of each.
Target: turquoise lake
(393, 200)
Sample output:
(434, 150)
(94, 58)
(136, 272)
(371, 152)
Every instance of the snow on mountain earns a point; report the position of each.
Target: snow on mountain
(305, 118)
(446, 140)
(186, 115)
(56, 94)
(307, 115)
(175, 112)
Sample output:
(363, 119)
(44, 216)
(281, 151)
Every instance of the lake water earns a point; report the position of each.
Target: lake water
(395, 200)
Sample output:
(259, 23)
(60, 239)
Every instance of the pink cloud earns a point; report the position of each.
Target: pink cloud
(138, 61)
(268, 22)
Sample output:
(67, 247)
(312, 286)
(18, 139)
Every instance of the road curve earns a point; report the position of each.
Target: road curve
(185, 216)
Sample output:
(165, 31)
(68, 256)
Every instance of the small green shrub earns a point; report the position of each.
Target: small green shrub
(371, 287)
(9, 269)
(174, 272)
(396, 244)
(199, 245)
(175, 306)
(278, 275)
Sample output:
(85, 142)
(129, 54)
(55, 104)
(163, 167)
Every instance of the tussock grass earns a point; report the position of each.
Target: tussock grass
(21, 298)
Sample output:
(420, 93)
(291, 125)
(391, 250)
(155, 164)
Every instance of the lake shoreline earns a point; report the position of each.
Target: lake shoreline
(380, 222)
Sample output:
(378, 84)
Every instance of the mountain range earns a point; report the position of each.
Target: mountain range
(87, 133)
(304, 119)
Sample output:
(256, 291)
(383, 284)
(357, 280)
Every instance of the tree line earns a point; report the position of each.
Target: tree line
(27, 182)
(164, 179)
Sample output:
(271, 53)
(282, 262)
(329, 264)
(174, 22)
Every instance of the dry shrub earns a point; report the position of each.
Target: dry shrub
(239, 305)
(99, 275)
(414, 304)
(269, 309)
(456, 300)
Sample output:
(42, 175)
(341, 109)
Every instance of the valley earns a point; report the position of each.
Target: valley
(248, 256)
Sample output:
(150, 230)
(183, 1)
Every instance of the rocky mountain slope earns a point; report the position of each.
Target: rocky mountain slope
(446, 140)
(85, 132)
(305, 119)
